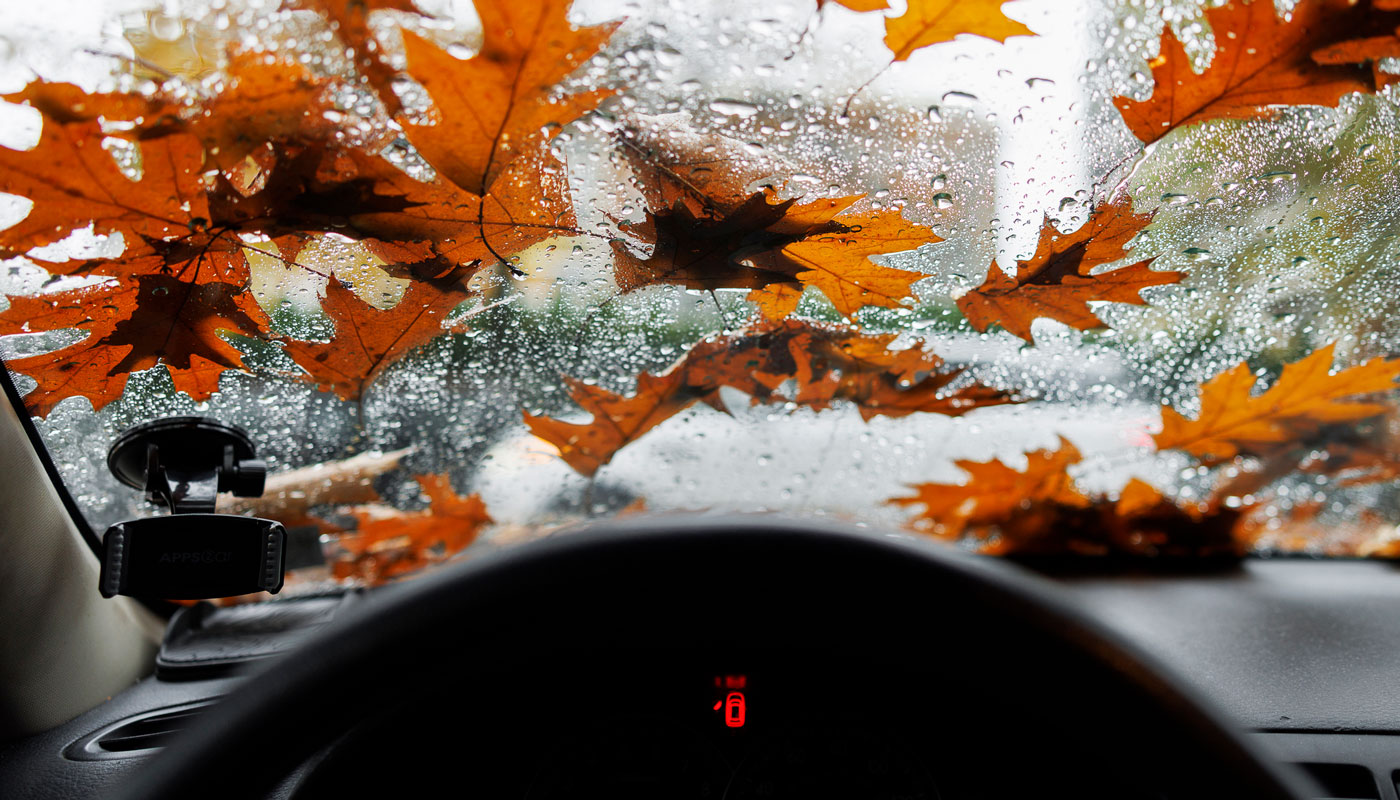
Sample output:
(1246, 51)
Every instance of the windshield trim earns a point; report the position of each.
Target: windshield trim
(12, 396)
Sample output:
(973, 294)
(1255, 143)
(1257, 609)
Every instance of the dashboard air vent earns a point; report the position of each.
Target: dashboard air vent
(1343, 781)
(138, 735)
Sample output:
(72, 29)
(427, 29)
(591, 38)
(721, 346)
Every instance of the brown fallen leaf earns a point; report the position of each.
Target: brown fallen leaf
(502, 102)
(285, 175)
(857, 5)
(178, 287)
(1057, 282)
(765, 244)
(74, 182)
(928, 22)
(350, 20)
(1354, 453)
(277, 102)
(387, 543)
(428, 229)
(1260, 61)
(1307, 395)
(994, 491)
(827, 363)
(709, 173)
(132, 325)
(714, 221)
(1039, 511)
(1366, 50)
(368, 339)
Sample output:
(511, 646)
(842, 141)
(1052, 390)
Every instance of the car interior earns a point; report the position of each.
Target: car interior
(946, 399)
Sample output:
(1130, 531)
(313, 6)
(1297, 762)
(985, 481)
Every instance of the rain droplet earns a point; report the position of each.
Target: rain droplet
(166, 28)
(733, 108)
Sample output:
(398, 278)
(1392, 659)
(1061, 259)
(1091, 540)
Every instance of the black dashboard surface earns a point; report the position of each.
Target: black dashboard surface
(1280, 645)
(1306, 650)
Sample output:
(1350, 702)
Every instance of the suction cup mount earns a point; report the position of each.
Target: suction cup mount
(183, 463)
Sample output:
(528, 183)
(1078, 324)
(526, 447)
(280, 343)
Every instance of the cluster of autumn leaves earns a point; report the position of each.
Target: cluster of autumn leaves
(265, 160)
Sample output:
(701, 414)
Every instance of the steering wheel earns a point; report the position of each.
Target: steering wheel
(649, 584)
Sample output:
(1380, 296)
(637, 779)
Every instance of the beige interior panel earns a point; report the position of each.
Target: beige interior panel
(63, 648)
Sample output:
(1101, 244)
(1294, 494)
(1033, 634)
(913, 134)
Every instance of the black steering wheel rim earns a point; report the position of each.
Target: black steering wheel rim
(626, 571)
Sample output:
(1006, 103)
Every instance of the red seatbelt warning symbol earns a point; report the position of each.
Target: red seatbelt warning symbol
(734, 709)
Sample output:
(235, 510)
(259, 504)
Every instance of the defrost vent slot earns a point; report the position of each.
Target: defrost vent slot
(137, 735)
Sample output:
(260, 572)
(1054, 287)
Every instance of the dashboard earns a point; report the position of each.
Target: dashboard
(725, 702)
(758, 727)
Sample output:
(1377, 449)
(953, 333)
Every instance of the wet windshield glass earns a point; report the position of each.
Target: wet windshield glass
(1034, 277)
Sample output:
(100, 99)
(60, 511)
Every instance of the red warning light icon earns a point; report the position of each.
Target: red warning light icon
(733, 707)
(735, 710)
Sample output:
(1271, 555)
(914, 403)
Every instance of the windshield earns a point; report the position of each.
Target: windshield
(1098, 277)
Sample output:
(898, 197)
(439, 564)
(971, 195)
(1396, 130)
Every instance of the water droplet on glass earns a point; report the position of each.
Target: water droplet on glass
(166, 28)
(733, 108)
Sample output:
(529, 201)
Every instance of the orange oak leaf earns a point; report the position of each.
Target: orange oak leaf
(994, 491)
(387, 543)
(1057, 282)
(73, 182)
(186, 230)
(927, 22)
(1260, 60)
(502, 102)
(857, 5)
(826, 363)
(1350, 454)
(1307, 395)
(350, 19)
(1039, 511)
(617, 421)
(1359, 455)
(263, 100)
(433, 228)
(134, 324)
(260, 100)
(709, 173)
(67, 103)
(368, 339)
(764, 244)
(709, 228)
(179, 284)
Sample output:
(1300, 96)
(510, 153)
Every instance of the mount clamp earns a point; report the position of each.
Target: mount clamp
(182, 464)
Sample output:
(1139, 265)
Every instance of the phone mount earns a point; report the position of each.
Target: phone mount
(183, 463)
